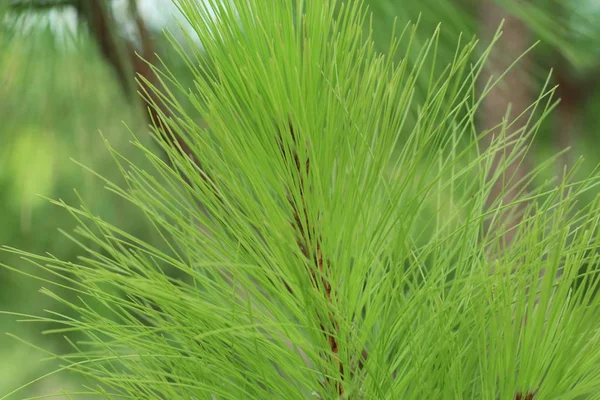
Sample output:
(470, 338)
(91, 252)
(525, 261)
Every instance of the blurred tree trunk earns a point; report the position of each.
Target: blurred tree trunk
(574, 90)
(513, 91)
(567, 114)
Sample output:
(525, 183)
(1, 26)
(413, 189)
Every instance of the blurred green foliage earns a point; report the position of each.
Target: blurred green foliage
(58, 101)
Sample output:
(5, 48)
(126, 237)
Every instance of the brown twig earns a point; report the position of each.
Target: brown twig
(306, 235)
(526, 396)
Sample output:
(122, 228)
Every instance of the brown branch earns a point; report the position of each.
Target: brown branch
(306, 234)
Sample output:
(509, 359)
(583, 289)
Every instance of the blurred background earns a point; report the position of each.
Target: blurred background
(67, 84)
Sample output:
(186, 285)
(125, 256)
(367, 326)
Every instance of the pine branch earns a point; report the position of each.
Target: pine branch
(306, 233)
(430, 306)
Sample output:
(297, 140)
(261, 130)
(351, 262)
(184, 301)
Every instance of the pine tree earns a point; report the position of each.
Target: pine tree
(328, 243)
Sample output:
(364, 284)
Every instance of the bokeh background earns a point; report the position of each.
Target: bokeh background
(66, 86)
